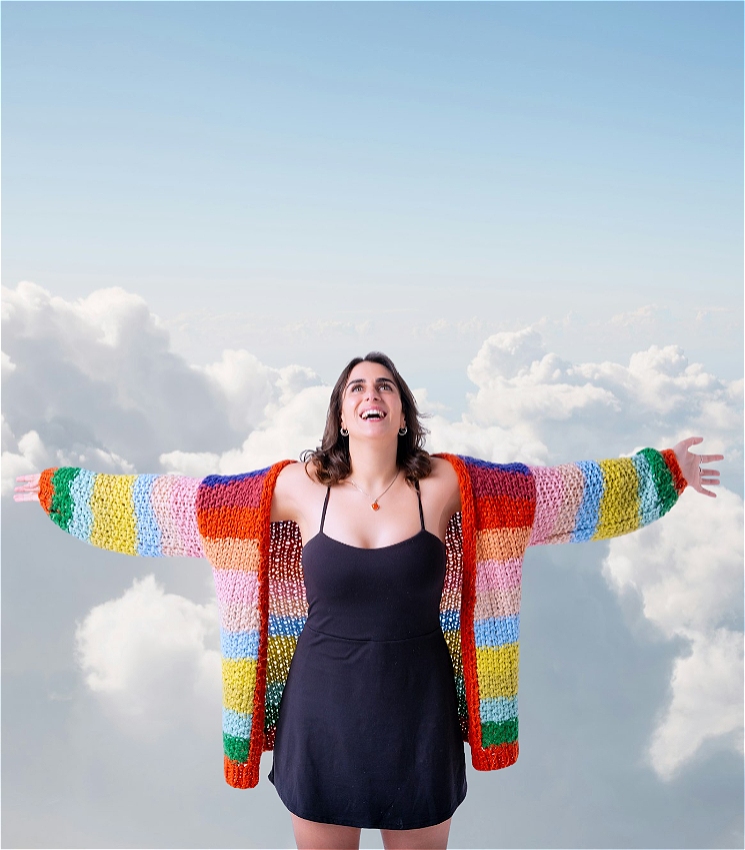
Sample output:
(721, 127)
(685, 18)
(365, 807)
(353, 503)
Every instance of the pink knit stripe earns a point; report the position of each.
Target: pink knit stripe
(496, 481)
(184, 515)
(288, 606)
(230, 553)
(497, 603)
(236, 586)
(160, 498)
(574, 489)
(498, 575)
(549, 498)
(287, 589)
(238, 617)
(234, 493)
(453, 580)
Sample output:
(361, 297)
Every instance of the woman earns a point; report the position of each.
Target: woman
(344, 614)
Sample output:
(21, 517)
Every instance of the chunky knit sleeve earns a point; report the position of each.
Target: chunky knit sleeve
(592, 500)
(151, 515)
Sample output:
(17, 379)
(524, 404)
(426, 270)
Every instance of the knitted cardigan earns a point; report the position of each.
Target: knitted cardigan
(259, 584)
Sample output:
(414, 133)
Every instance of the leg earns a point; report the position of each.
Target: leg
(310, 835)
(429, 838)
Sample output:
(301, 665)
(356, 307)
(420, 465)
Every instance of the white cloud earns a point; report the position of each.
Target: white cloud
(291, 427)
(687, 571)
(152, 657)
(95, 383)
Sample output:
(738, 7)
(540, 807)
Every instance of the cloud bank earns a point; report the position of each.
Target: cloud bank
(94, 382)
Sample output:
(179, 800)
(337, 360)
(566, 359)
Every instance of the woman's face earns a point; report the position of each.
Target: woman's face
(371, 404)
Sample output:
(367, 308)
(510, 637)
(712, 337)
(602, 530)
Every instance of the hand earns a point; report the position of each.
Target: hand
(27, 488)
(690, 465)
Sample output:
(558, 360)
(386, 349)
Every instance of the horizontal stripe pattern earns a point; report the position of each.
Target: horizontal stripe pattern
(496, 631)
(226, 518)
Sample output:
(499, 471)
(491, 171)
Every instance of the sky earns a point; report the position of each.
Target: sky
(535, 209)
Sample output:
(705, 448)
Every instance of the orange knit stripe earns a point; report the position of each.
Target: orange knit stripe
(228, 521)
(679, 481)
(237, 774)
(504, 512)
(264, 519)
(46, 489)
(492, 758)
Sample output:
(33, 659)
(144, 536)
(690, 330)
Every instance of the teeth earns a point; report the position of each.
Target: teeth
(372, 414)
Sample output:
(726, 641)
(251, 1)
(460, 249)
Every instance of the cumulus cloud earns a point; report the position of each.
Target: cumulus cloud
(687, 571)
(95, 380)
(657, 397)
(95, 383)
(152, 657)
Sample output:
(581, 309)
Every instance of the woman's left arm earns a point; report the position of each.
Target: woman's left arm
(593, 500)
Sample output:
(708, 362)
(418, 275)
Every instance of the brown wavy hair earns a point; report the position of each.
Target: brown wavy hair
(331, 459)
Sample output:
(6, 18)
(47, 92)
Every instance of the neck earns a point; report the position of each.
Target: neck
(372, 467)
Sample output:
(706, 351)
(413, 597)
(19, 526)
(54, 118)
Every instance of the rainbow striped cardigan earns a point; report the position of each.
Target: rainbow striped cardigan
(258, 573)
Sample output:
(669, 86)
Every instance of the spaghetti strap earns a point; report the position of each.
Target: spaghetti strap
(325, 505)
(419, 496)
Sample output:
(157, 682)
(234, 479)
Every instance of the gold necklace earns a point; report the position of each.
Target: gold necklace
(375, 506)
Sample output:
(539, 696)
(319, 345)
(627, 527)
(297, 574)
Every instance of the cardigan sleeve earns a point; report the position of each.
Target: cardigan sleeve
(150, 515)
(593, 500)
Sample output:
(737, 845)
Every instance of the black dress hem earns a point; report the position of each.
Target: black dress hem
(373, 825)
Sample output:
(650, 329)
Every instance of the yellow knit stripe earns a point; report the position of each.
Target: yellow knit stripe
(279, 656)
(114, 522)
(238, 683)
(497, 668)
(619, 504)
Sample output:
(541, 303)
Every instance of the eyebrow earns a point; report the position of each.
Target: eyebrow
(377, 381)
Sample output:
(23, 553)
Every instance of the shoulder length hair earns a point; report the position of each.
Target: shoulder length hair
(331, 459)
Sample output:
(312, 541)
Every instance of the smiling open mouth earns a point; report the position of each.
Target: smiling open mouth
(373, 414)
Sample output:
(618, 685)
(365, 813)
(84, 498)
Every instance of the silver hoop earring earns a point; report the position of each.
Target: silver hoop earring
(344, 432)
(402, 432)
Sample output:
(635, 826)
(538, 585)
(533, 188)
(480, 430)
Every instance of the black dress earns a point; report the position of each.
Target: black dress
(368, 731)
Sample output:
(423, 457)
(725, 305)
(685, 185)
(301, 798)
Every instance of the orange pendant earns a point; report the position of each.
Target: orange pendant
(375, 506)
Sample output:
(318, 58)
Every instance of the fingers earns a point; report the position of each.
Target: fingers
(26, 497)
(706, 492)
(691, 441)
(709, 458)
(34, 477)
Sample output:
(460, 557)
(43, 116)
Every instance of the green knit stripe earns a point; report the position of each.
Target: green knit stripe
(236, 749)
(493, 733)
(273, 699)
(62, 502)
(663, 480)
(460, 690)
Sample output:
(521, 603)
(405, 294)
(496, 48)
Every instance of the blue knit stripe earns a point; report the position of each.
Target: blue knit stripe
(148, 532)
(498, 709)
(649, 501)
(81, 490)
(497, 631)
(240, 645)
(236, 723)
(285, 626)
(586, 521)
(450, 620)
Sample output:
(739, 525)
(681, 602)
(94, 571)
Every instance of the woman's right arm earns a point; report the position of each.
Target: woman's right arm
(150, 515)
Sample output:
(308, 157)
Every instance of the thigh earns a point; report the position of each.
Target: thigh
(429, 838)
(310, 835)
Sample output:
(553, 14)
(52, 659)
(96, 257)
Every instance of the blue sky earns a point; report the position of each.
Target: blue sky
(522, 143)
(535, 208)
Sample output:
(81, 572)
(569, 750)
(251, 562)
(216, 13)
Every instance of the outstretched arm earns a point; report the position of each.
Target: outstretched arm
(151, 515)
(593, 500)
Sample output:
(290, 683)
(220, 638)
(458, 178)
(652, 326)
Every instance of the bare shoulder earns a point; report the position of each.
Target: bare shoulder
(296, 487)
(442, 485)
